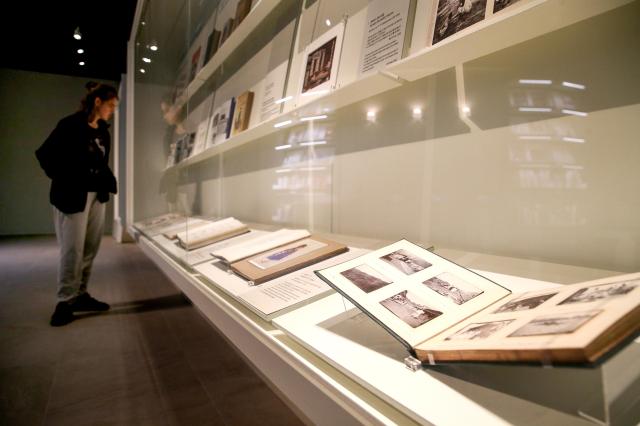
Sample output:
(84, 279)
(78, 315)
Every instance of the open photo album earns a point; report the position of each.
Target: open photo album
(204, 234)
(444, 312)
(277, 253)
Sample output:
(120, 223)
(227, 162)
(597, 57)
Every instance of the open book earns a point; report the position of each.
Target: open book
(277, 253)
(443, 312)
(190, 224)
(210, 233)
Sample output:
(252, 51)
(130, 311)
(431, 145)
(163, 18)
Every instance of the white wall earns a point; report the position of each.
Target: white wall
(31, 104)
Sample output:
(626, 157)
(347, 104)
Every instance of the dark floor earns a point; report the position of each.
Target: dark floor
(153, 359)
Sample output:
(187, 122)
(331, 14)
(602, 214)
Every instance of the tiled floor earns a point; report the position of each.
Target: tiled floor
(153, 359)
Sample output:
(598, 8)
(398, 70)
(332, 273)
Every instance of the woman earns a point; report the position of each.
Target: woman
(75, 156)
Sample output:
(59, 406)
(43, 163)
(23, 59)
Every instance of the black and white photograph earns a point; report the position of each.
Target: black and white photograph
(498, 5)
(456, 15)
(601, 292)
(452, 287)
(366, 278)
(524, 303)
(555, 324)
(405, 261)
(479, 330)
(410, 309)
(318, 67)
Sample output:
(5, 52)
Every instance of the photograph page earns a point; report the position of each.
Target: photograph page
(569, 323)
(412, 292)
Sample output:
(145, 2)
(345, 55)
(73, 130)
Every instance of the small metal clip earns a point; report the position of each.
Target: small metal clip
(412, 363)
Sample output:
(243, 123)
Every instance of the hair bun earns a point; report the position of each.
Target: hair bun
(90, 86)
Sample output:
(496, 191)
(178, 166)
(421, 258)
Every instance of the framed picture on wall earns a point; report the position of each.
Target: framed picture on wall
(320, 64)
(452, 16)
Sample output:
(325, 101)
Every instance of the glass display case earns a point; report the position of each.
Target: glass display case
(501, 134)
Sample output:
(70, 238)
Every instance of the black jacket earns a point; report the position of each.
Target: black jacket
(65, 158)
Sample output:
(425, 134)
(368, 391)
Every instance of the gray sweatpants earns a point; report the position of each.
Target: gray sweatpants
(79, 236)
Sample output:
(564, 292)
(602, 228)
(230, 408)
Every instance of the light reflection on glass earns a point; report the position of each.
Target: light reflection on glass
(534, 109)
(572, 112)
(574, 140)
(314, 117)
(573, 85)
(285, 99)
(535, 138)
(529, 81)
(282, 123)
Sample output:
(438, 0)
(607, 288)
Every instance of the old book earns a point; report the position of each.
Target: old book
(279, 295)
(226, 31)
(242, 10)
(200, 142)
(191, 224)
(286, 258)
(196, 63)
(263, 243)
(157, 220)
(224, 121)
(443, 312)
(242, 113)
(212, 45)
(208, 234)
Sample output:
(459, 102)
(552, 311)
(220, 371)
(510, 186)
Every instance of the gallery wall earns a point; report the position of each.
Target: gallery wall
(31, 104)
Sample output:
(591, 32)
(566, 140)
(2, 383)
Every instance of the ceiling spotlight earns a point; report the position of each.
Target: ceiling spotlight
(142, 70)
(147, 60)
(80, 51)
(153, 46)
(81, 63)
(76, 34)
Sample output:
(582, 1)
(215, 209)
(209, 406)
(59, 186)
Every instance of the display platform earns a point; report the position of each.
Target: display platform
(490, 394)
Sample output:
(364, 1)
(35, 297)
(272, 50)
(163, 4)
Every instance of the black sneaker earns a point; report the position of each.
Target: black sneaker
(85, 302)
(63, 315)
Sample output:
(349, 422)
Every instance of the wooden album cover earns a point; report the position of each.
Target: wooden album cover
(287, 258)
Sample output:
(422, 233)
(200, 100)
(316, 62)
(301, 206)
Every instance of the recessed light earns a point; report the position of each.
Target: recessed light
(147, 60)
(81, 63)
(80, 51)
(142, 70)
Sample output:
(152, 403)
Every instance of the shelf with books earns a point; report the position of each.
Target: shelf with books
(502, 30)
(257, 15)
(340, 97)
(518, 23)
